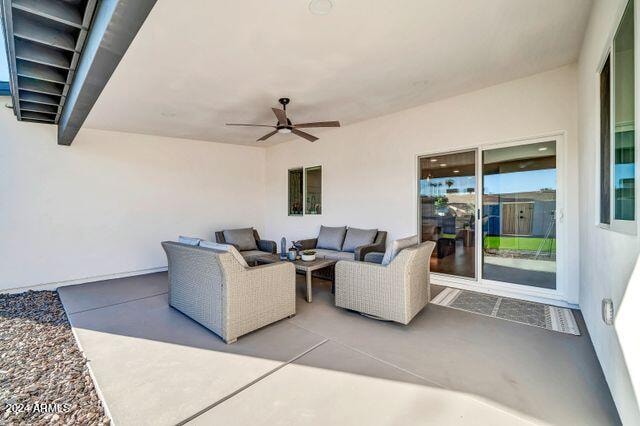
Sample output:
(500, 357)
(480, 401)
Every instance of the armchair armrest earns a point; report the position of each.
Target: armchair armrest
(267, 245)
(308, 244)
(361, 252)
(370, 288)
(364, 275)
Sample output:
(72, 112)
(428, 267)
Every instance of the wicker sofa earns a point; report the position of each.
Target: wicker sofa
(394, 292)
(250, 250)
(340, 252)
(218, 290)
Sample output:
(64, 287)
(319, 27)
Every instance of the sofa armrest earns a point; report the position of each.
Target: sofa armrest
(267, 246)
(259, 296)
(308, 244)
(361, 252)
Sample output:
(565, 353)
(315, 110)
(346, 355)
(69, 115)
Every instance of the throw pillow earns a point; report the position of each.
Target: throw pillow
(241, 238)
(225, 247)
(192, 241)
(331, 238)
(397, 246)
(358, 237)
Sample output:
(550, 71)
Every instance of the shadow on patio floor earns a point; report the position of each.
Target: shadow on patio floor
(155, 365)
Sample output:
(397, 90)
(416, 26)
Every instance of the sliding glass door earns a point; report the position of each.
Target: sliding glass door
(492, 214)
(448, 210)
(519, 214)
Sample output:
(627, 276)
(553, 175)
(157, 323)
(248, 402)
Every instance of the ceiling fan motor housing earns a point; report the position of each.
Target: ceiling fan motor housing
(284, 102)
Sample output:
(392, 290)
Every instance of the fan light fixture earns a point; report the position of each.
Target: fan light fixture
(285, 126)
(320, 7)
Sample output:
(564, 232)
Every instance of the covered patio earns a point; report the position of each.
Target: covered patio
(154, 365)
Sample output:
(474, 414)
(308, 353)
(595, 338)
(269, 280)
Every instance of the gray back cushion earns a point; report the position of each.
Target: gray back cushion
(358, 237)
(189, 240)
(225, 247)
(242, 238)
(397, 246)
(331, 238)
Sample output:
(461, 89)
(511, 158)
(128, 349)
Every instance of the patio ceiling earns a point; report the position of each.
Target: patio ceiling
(191, 69)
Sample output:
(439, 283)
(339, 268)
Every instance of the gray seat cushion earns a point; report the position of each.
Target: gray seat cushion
(243, 239)
(374, 257)
(358, 237)
(225, 247)
(192, 241)
(331, 238)
(333, 254)
(252, 255)
(397, 246)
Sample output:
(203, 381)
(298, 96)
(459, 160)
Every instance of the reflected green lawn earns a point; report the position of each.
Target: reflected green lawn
(519, 243)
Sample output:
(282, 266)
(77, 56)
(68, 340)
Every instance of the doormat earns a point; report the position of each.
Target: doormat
(529, 313)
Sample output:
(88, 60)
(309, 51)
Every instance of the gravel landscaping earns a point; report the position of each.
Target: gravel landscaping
(44, 378)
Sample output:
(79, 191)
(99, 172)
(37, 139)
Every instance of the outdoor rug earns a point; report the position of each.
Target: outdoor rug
(522, 311)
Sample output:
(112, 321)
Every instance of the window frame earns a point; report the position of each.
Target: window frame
(301, 169)
(617, 225)
(306, 169)
(304, 189)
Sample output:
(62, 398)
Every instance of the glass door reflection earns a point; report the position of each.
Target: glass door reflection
(447, 211)
(519, 214)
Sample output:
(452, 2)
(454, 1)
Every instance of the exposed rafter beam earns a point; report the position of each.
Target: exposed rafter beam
(115, 24)
(43, 40)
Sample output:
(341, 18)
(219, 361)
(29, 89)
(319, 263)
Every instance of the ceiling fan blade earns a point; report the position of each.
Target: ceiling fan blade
(250, 125)
(281, 115)
(307, 136)
(267, 136)
(318, 124)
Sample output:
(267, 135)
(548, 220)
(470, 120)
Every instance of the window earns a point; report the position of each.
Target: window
(296, 196)
(605, 143)
(305, 190)
(617, 129)
(624, 118)
(313, 190)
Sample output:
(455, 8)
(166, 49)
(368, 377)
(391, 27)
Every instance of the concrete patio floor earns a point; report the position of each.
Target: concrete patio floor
(153, 365)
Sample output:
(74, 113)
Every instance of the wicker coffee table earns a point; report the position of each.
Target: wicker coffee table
(301, 266)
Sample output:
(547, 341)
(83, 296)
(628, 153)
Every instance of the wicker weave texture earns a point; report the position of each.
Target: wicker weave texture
(212, 288)
(396, 292)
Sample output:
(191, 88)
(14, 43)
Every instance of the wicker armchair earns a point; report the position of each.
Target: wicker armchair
(264, 246)
(214, 289)
(396, 292)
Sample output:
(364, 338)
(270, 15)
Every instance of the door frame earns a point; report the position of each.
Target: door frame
(557, 296)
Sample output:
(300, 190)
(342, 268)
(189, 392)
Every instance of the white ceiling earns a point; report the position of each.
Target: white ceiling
(198, 64)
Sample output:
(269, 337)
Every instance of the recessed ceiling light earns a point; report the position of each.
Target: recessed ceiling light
(443, 165)
(320, 7)
(433, 160)
(456, 171)
(544, 148)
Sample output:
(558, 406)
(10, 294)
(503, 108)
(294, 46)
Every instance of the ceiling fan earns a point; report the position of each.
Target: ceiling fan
(284, 125)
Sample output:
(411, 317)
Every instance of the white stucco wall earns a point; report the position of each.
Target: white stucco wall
(102, 206)
(607, 258)
(369, 168)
